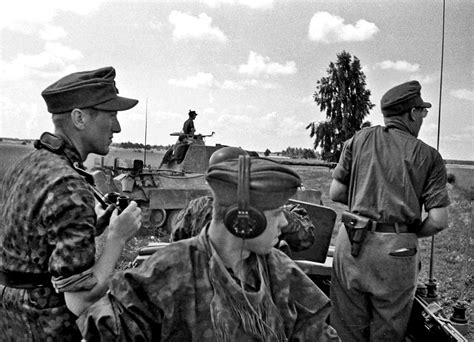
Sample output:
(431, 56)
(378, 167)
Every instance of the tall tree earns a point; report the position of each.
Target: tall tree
(345, 99)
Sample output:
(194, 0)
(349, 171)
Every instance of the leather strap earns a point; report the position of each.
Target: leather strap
(399, 228)
(22, 280)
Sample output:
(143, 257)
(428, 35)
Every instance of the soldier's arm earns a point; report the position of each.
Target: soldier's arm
(436, 221)
(121, 228)
(338, 192)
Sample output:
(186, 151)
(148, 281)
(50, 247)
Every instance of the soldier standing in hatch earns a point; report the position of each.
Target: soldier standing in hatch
(48, 220)
(188, 126)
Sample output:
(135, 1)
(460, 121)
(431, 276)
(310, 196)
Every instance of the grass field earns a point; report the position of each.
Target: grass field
(453, 248)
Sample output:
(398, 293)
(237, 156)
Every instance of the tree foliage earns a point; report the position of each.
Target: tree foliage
(298, 152)
(343, 96)
(141, 146)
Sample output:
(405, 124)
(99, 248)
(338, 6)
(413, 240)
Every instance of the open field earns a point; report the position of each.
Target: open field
(453, 248)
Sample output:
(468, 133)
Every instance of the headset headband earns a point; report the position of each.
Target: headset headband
(243, 192)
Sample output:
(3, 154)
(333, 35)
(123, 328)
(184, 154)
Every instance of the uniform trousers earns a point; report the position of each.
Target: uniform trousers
(372, 294)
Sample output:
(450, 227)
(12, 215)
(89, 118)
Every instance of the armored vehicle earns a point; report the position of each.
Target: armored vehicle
(162, 192)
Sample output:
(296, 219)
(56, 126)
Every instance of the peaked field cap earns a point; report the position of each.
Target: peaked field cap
(192, 112)
(94, 88)
(401, 98)
(271, 184)
(226, 153)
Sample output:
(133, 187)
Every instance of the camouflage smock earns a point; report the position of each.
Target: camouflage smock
(172, 297)
(47, 221)
(299, 233)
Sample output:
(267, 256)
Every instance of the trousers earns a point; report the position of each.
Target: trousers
(372, 295)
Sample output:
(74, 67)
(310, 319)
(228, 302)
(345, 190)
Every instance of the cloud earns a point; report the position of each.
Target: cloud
(255, 4)
(463, 94)
(55, 61)
(27, 15)
(425, 79)
(52, 32)
(258, 64)
(399, 66)
(327, 28)
(270, 125)
(204, 80)
(232, 85)
(200, 80)
(189, 27)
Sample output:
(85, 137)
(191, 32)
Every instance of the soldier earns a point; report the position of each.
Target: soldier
(385, 175)
(48, 220)
(298, 233)
(226, 284)
(188, 126)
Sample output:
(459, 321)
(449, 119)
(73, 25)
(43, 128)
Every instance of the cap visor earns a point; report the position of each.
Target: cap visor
(117, 104)
(426, 105)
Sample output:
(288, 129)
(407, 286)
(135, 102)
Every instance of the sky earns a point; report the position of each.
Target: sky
(249, 68)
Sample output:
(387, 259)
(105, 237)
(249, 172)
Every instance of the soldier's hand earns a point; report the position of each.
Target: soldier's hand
(103, 218)
(125, 225)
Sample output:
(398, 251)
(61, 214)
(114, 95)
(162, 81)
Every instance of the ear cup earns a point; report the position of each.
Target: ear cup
(248, 225)
(242, 220)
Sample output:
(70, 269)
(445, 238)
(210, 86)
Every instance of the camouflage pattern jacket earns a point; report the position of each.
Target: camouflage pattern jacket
(171, 297)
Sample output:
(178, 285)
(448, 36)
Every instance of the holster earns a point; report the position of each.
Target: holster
(356, 227)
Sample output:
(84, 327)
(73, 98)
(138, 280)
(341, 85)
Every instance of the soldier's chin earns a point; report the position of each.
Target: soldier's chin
(104, 151)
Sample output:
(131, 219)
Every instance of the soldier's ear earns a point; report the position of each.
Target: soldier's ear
(412, 114)
(78, 118)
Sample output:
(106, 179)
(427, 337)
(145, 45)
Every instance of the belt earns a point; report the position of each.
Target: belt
(23, 280)
(399, 228)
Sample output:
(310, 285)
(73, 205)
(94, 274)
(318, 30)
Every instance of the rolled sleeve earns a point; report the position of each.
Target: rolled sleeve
(342, 171)
(435, 193)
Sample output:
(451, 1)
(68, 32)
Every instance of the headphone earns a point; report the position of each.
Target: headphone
(242, 220)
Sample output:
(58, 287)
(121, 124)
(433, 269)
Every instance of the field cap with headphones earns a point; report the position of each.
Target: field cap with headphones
(250, 185)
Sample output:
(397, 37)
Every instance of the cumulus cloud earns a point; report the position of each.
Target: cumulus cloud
(463, 94)
(256, 4)
(55, 61)
(399, 66)
(187, 26)
(52, 32)
(200, 80)
(232, 85)
(327, 28)
(258, 64)
(270, 125)
(204, 80)
(425, 79)
(27, 15)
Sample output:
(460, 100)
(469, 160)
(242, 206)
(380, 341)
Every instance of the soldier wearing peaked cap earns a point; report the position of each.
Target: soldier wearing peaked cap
(188, 126)
(387, 177)
(48, 219)
(226, 284)
(297, 235)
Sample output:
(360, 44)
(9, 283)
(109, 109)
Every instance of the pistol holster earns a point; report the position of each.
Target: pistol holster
(356, 227)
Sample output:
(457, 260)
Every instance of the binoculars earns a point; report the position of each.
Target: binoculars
(120, 201)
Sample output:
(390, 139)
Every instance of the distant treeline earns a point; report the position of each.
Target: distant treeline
(291, 152)
(298, 152)
(141, 146)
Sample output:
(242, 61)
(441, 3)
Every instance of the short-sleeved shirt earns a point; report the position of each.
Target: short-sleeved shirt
(47, 216)
(391, 174)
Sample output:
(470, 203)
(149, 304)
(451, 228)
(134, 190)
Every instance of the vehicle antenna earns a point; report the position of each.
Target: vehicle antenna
(431, 286)
(146, 125)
